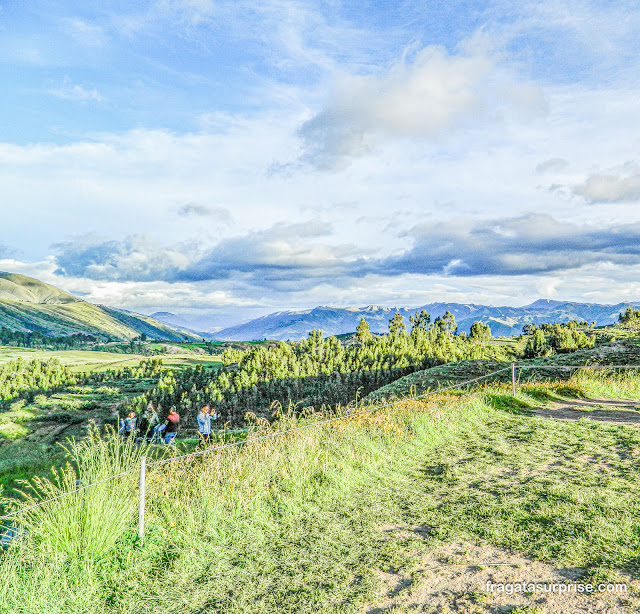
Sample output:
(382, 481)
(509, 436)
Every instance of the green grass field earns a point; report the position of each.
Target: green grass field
(310, 521)
(84, 361)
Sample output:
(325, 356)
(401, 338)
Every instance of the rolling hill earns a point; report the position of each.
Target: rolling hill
(503, 321)
(27, 304)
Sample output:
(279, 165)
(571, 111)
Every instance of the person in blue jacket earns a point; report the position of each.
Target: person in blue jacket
(204, 425)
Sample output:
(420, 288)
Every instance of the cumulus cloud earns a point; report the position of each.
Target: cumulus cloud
(424, 98)
(136, 258)
(193, 209)
(526, 245)
(285, 256)
(617, 187)
(289, 258)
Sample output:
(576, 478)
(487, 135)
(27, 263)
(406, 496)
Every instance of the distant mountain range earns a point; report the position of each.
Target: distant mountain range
(27, 304)
(503, 321)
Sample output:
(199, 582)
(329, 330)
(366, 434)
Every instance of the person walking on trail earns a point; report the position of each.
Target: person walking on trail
(172, 427)
(150, 420)
(204, 425)
(130, 424)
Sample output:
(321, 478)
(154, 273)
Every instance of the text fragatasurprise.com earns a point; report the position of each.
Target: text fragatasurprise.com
(509, 588)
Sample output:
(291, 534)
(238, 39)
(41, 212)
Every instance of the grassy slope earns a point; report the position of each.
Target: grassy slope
(61, 319)
(27, 304)
(82, 317)
(625, 351)
(150, 327)
(296, 524)
(15, 287)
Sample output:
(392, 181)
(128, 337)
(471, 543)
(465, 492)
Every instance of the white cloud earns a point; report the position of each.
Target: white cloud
(615, 187)
(220, 214)
(88, 34)
(69, 91)
(137, 257)
(424, 97)
(551, 165)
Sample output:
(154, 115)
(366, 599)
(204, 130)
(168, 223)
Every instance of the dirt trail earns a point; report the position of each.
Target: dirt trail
(621, 411)
(458, 578)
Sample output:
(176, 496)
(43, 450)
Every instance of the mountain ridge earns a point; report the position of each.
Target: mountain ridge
(503, 320)
(30, 305)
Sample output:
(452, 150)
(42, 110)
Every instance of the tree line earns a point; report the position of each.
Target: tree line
(37, 340)
(320, 370)
(548, 339)
(28, 378)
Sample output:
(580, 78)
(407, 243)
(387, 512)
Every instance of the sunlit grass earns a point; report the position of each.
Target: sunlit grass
(293, 523)
(83, 522)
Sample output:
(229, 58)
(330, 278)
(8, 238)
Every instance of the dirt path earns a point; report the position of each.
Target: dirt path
(603, 410)
(458, 578)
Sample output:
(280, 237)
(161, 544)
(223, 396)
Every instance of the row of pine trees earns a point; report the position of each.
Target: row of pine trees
(18, 377)
(319, 370)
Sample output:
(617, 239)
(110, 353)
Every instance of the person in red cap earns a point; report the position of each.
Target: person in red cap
(172, 427)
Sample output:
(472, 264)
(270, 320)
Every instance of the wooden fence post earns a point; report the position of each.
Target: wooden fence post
(513, 379)
(142, 494)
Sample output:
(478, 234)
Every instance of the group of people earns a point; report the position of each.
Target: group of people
(150, 427)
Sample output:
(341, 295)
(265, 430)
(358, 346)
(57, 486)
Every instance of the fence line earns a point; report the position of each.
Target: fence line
(348, 415)
(577, 366)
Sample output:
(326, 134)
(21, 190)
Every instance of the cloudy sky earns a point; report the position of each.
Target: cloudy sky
(223, 159)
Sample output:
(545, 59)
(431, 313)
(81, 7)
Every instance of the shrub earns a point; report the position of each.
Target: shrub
(86, 522)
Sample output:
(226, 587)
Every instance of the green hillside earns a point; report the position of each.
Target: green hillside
(625, 351)
(15, 287)
(27, 304)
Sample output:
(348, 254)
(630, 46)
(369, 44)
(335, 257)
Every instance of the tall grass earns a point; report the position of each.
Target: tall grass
(609, 383)
(277, 525)
(294, 523)
(84, 521)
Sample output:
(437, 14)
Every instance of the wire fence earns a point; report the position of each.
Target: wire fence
(348, 415)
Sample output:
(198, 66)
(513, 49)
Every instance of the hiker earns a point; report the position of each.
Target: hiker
(149, 422)
(172, 427)
(204, 425)
(130, 423)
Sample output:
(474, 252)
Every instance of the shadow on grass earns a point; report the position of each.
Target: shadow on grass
(539, 394)
(571, 391)
(506, 402)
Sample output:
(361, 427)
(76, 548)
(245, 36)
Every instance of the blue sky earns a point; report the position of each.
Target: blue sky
(227, 159)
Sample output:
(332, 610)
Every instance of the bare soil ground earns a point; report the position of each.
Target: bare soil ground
(457, 577)
(603, 410)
